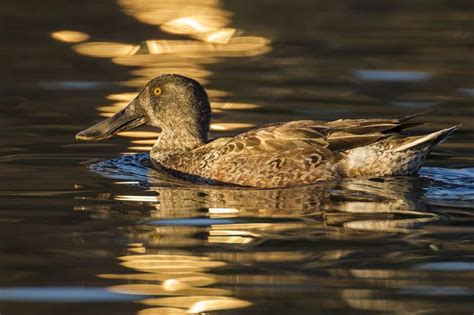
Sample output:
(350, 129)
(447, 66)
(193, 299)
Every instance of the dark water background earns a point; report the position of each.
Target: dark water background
(120, 239)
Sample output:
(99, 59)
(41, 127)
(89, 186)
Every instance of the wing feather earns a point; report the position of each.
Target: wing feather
(278, 137)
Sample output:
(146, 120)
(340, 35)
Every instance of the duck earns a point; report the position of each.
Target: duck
(276, 155)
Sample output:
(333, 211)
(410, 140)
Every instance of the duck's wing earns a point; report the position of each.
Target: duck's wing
(350, 133)
(277, 155)
(278, 137)
(337, 136)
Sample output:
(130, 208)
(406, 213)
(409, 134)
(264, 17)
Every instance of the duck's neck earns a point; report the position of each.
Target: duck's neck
(177, 141)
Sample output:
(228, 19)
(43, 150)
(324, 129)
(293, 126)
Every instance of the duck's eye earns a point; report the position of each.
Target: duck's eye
(157, 91)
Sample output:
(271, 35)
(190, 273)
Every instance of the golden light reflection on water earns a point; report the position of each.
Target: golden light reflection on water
(230, 126)
(70, 36)
(111, 109)
(232, 236)
(241, 46)
(233, 106)
(155, 289)
(160, 12)
(140, 134)
(105, 49)
(165, 60)
(222, 36)
(190, 279)
(223, 212)
(136, 198)
(246, 233)
(183, 278)
(125, 97)
(199, 304)
(162, 311)
(199, 27)
(391, 225)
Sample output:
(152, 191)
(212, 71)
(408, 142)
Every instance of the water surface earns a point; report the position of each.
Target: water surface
(90, 228)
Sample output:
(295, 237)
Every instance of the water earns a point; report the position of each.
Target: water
(82, 232)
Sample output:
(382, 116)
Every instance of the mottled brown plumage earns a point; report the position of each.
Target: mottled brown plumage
(276, 155)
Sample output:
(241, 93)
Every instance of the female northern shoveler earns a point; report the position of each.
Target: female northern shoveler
(275, 155)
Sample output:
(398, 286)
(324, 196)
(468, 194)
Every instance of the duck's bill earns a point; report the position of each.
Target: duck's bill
(126, 119)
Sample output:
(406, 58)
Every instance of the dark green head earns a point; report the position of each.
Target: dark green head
(176, 104)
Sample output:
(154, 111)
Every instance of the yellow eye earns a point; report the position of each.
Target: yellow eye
(157, 91)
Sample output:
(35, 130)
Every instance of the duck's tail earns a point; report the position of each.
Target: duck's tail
(397, 156)
(429, 140)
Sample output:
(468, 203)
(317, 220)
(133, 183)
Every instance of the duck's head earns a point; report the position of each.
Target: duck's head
(176, 104)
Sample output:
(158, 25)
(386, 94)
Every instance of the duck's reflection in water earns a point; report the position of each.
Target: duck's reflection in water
(201, 248)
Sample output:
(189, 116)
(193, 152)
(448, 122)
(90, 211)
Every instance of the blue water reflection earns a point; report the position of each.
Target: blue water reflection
(392, 75)
(62, 294)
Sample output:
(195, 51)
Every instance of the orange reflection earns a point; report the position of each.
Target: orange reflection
(223, 212)
(162, 311)
(189, 279)
(216, 304)
(196, 25)
(241, 46)
(222, 36)
(70, 36)
(136, 198)
(113, 108)
(140, 134)
(126, 97)
(154, 289)
(233, 106)
(105, 49)
(246, 233)
(196, 304)
(230, 126)
(183, 282)
(207, 12)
